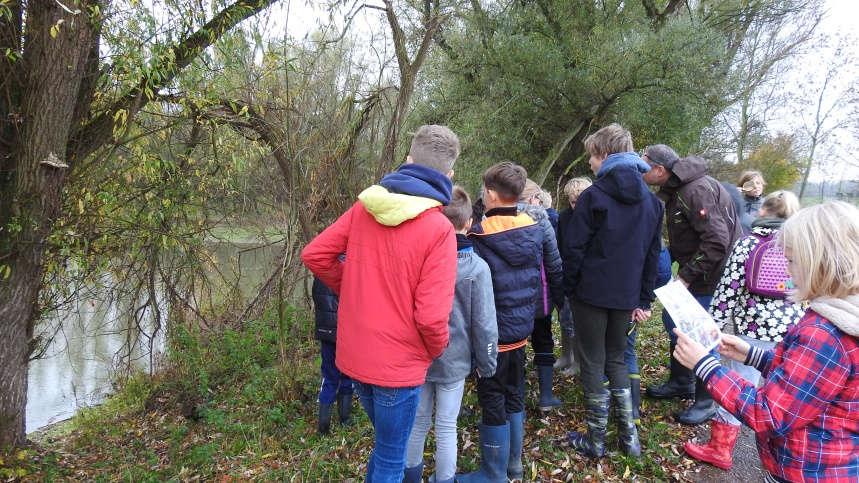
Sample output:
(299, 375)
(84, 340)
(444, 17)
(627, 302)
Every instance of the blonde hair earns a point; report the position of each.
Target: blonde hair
(545, 198)
(781, 204)
(531, 190)
(823, 244)
(611, 139)
(575, 186)
(749, 175)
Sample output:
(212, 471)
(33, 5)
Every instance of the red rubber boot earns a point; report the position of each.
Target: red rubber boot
(719, 451)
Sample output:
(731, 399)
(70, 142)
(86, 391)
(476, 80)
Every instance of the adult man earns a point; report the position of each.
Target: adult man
(702, 228)
(396, 289)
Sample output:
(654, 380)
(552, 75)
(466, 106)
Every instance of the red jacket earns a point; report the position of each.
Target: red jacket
(396, 286)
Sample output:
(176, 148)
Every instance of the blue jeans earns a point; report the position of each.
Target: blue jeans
(333, 381)
(629, 355)
(446, 398)
(392, 412)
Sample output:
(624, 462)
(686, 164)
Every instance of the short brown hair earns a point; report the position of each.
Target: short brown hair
(458, 211)
(435, 147)
(507, 179)
(611, 139)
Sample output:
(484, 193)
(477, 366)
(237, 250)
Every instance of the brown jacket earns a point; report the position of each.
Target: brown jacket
(702, 224)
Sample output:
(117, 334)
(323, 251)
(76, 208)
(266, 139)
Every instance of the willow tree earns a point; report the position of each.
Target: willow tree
(73, 75)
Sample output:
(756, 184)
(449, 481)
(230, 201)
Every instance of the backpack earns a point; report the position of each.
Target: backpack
(766, 269)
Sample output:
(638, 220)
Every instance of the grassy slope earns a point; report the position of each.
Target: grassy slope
(230, 410)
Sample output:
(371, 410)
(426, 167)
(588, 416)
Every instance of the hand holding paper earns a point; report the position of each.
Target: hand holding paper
(689, 316)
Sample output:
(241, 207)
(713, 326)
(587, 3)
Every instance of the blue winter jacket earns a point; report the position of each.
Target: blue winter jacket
(611, 243)
(511, 243)
(325, 304)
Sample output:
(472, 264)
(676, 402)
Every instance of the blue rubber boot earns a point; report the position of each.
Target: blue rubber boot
(548, 401)
(413, 474)
(515, 471)
(494, 453)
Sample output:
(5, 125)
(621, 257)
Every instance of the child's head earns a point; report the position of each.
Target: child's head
(503, 183)
(611, 139)
(531, 194)
(751, 183)
(779, 204)
(821, 244)
(458, 211)
(574, 188)
(545, 199)
(435, 147)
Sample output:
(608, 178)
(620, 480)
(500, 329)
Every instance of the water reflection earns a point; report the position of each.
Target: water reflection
(84, 356)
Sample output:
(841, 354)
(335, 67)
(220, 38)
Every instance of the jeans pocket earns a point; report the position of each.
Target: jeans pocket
(386, 396)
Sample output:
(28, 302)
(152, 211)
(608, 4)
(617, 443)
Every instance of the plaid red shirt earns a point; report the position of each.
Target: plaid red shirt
(806, 414)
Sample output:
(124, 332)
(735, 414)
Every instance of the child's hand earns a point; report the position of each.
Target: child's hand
(640, 315)
(734, 348)
(688, 351)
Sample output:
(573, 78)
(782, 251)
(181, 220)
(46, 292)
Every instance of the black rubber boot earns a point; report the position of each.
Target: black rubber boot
(680, 384)
(702, 411)
(324, 418)
(344, 408)
(635, 391)
(627, 432)
(592, 443)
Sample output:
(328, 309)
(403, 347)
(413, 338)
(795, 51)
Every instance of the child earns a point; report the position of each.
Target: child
(806, 414)
(473, 333)
(531, 202)
(568, 363)
(334, 384)
(611, 252)
(396, 289)
(762, 320)
(513, 245)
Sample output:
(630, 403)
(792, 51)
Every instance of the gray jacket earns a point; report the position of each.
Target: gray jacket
(473, 328)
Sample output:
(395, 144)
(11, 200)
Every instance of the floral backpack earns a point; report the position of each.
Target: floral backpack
(766, 269)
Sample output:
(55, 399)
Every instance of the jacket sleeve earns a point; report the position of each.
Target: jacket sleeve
(715, 231)
(320, 255)
(484, 326)
(552, 263)
(651, 262)
(731, 292)
(434, 293)
(577, 236)
(813, 372)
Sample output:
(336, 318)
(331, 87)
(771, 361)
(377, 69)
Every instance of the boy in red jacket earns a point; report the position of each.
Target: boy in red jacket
(396, 289)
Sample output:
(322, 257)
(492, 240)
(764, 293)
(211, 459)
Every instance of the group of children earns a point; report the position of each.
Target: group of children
(509, 277)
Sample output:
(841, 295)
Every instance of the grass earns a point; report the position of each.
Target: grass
(242, 405)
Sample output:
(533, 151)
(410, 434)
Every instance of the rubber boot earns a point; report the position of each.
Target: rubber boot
(566, 358)
(515, 470)
(548, 401)
(344, 408)
(324, 418)
(701, 411)
(592, 444)
(573, 368)
(494, 454)
(414, 474)
(627, 431)
(680, 382)
(635, 391)
(719, 451)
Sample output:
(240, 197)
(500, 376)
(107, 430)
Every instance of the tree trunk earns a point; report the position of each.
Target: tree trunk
(52, 70)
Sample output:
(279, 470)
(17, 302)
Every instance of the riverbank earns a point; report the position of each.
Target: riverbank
(242, 405)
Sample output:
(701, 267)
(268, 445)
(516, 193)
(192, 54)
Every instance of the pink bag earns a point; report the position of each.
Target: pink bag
(766, 269)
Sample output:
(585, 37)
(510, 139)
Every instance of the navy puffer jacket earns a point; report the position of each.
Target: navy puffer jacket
(511, 243)
(325, 304)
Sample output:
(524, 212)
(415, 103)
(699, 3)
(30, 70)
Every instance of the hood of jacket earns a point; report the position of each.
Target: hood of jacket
(623, 159)
(624, 184)
(843, 313)
(685, 170)
(768, 223)
(417, 180)
(513, 239)
(392, 209)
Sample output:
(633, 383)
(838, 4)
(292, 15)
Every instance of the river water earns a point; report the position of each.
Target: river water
(81, 362)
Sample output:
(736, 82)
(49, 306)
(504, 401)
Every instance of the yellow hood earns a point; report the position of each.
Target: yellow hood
(392, 209)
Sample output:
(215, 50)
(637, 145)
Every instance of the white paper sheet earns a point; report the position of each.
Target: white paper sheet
(689, 316)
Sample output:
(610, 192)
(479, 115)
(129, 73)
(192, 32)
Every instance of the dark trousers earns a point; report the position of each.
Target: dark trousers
(502, 393)
(542, 343)
(333, 381)
(602, 340)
